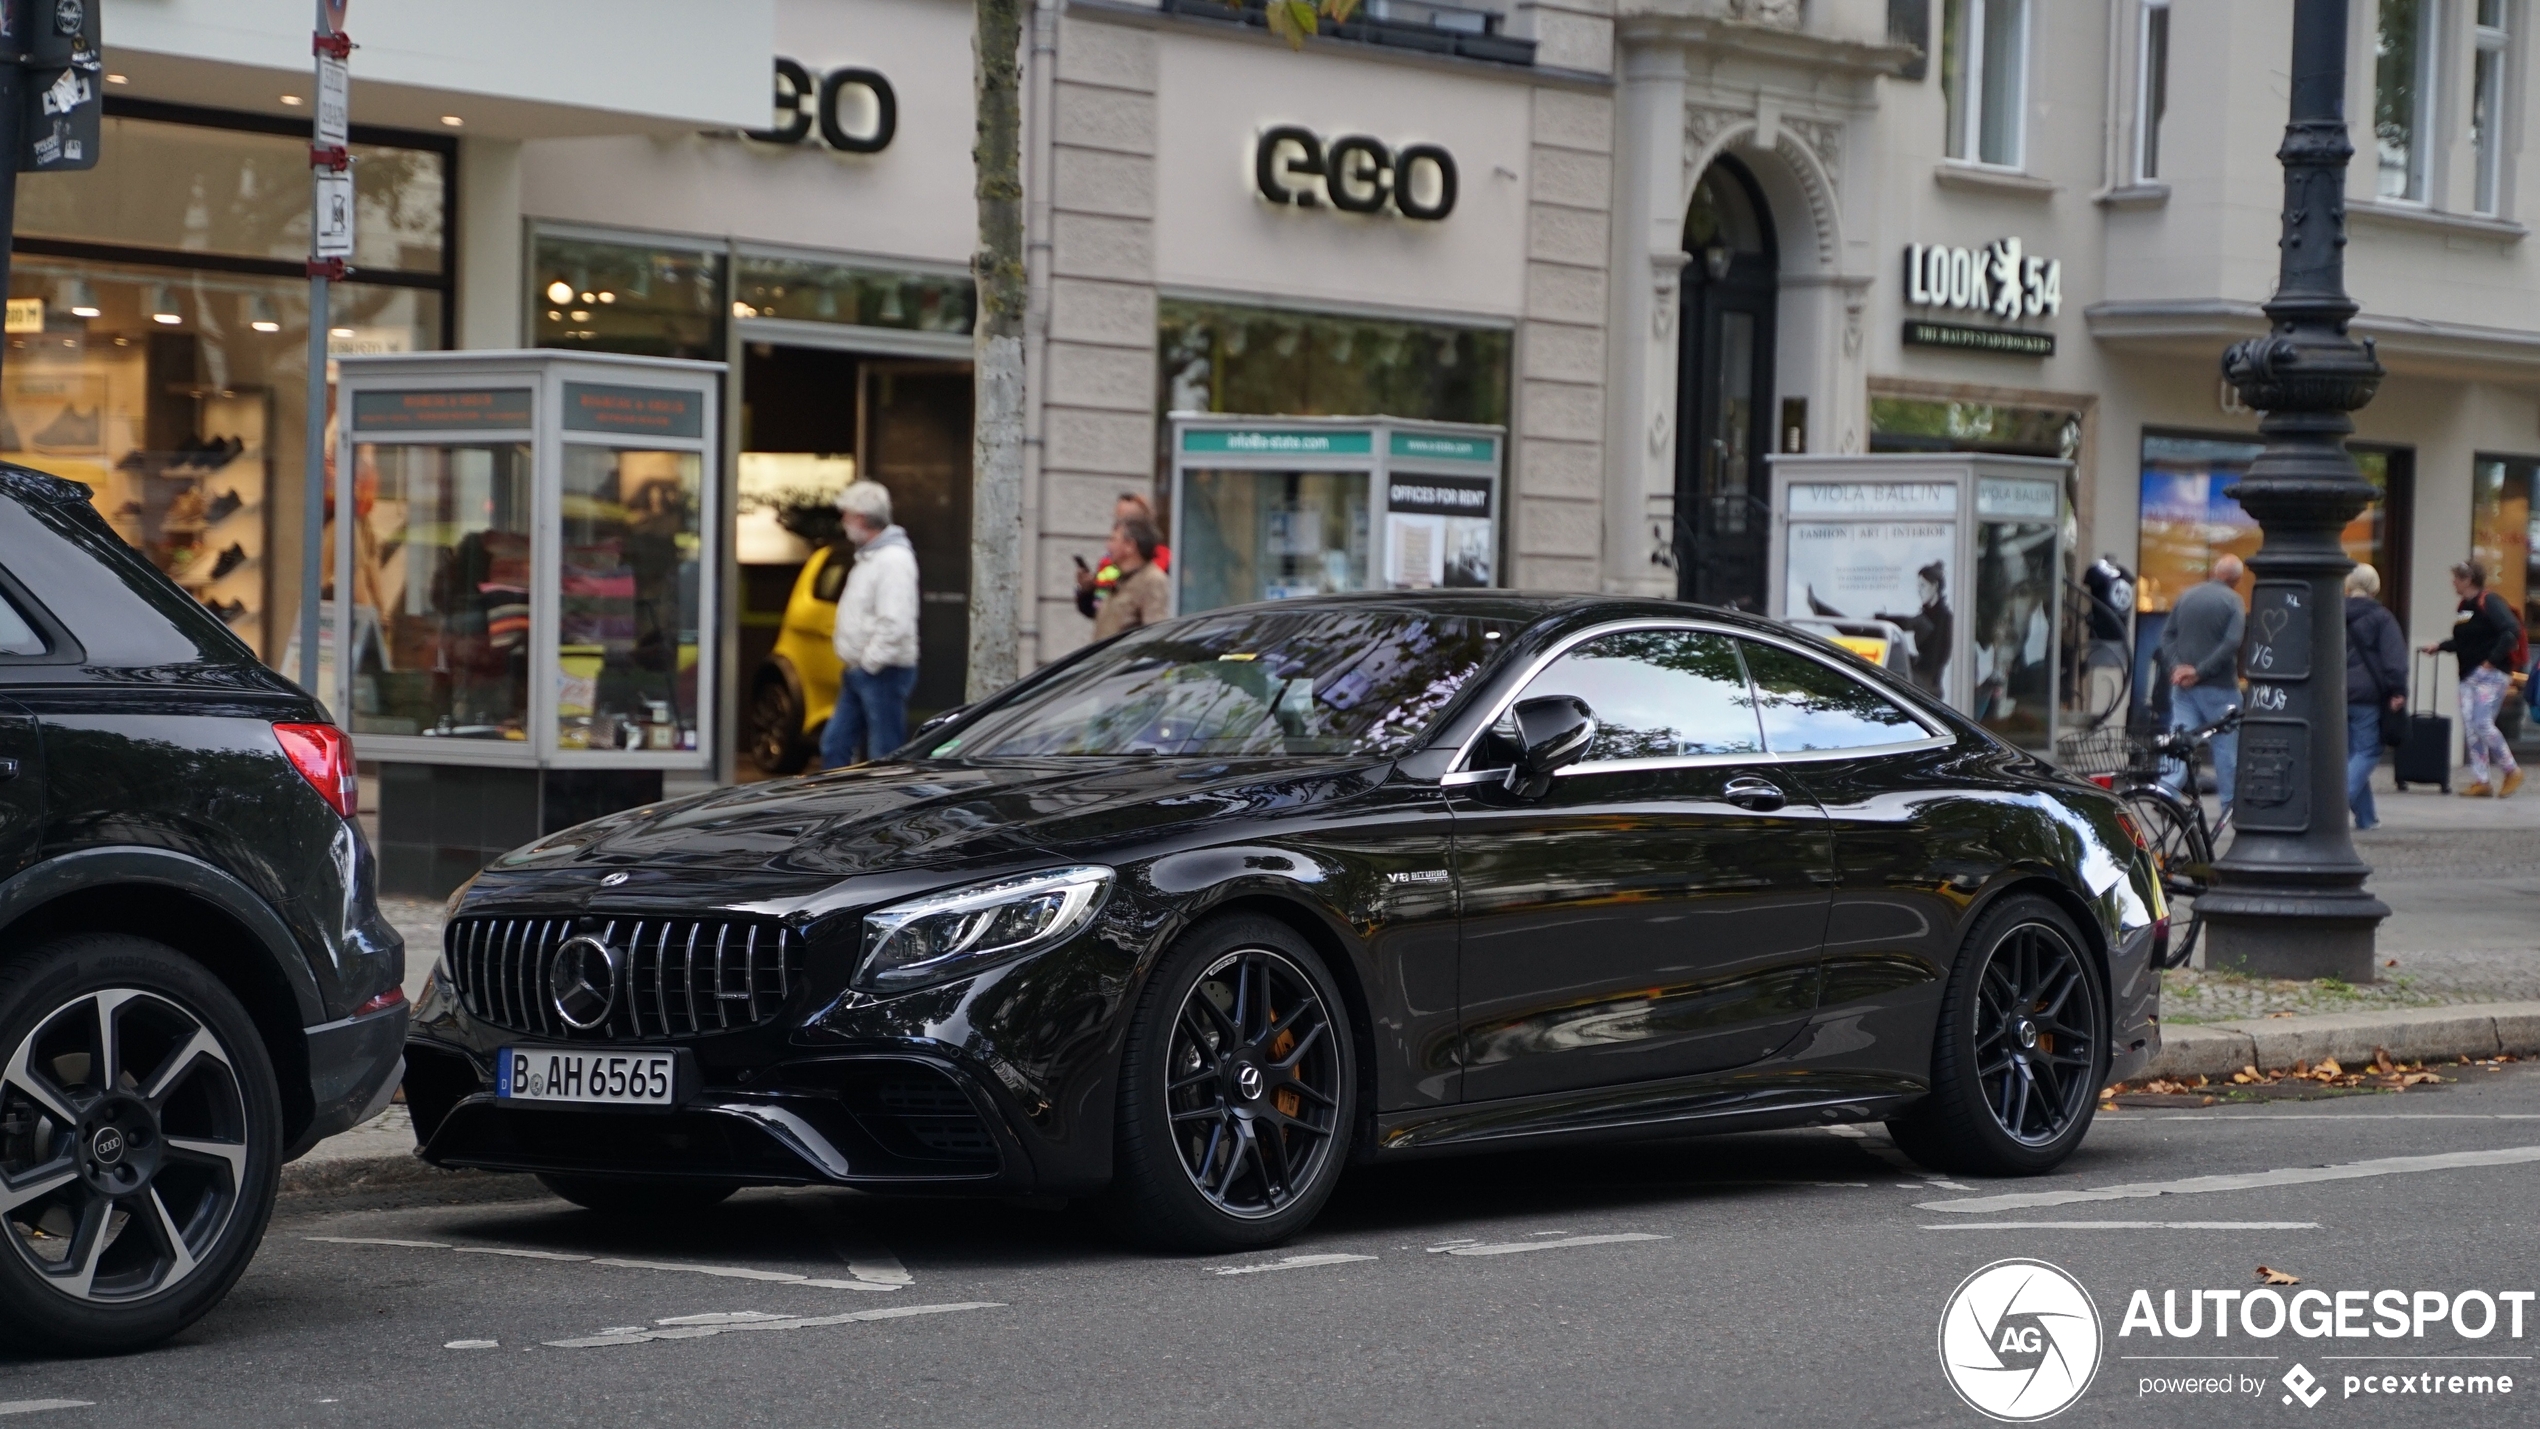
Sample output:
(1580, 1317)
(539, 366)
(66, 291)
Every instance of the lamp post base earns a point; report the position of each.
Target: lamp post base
(2305, 938)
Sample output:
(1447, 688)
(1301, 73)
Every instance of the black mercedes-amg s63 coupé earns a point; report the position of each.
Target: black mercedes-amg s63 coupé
(1197, 918)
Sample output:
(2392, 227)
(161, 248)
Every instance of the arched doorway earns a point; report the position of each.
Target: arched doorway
(1725, 390)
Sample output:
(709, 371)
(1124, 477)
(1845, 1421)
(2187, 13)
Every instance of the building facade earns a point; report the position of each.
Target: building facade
(1634, 249)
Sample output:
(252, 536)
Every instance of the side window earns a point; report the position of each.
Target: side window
(833, 574)
(17, 637)
(1805, 705)
(1657, 694)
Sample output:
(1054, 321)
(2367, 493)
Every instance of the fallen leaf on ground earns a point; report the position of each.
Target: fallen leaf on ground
(2277, 1277)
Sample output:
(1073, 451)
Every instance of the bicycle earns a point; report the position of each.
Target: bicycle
(2174, 825)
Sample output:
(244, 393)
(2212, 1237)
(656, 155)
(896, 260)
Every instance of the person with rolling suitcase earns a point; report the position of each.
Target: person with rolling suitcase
(2487, 640)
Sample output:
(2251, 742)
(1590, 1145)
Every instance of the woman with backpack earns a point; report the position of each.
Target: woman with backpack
(2487, 639)
(2376, 686)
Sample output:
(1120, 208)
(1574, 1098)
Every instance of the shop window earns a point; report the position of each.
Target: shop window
(2188, 522)
(2152, 88)
(627, 297)
(2406, 41)
(804, 290)
(441, 600)
(2502, 537)
(158, 351)
(1909, 424)
(1268, 362)
(1984, 79)
(2487, 106)
(237, 193)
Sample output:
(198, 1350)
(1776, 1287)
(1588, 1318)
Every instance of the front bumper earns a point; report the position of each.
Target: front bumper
(907, 1123)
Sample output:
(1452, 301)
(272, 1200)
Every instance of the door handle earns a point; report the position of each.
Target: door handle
(8, 769)
(1749, 792)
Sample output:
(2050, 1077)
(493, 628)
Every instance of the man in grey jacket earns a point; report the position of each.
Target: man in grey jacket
(2200, 647)
(876, 632)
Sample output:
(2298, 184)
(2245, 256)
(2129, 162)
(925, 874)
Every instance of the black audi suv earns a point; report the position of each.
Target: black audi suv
(195, 982)
(1196, 918)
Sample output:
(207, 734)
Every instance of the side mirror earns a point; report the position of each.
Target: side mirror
(1553, 731)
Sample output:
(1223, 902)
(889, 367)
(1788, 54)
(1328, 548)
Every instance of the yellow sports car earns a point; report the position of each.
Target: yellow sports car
(793, 692)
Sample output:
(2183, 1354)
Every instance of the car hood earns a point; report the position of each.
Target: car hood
(877, 817)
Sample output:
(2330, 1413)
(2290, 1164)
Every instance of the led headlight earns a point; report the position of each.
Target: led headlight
(949, 935)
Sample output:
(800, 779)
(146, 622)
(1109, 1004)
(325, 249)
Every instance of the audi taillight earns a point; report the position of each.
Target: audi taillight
(2104, 781)
(324, 756)
(2134, 830)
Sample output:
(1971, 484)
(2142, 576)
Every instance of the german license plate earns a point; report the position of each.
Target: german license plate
(620, 1076)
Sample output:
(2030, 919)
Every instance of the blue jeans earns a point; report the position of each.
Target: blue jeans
(872, 711)
(2363, 755)
(2194, 707)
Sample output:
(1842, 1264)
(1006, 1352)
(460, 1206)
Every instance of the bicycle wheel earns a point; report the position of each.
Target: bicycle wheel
(2183, 857)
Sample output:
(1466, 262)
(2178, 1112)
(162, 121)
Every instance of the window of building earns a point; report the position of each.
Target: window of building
(2407, 39)
(1984, 79)
(654, 300)
(2487, 106)
(2501, 533)
(164, 362)
(1270, 362)
(2187, 522)
(2152, 88)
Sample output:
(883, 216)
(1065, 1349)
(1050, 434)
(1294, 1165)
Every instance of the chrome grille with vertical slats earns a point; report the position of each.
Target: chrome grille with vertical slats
(678, 977)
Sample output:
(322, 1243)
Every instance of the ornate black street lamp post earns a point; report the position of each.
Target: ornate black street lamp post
(2288, 899)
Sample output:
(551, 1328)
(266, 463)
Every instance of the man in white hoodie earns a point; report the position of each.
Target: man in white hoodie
(876, 634)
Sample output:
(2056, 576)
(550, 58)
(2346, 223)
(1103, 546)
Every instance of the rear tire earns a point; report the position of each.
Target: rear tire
(135, 1082)
(1238, 1093)
(638, 1197)
(2184, 861)
(2021, 1050)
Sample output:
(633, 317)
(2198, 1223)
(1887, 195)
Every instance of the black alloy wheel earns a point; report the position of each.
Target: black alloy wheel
(2020, 1051)
(777, 743)
(1237, 1094)
(138, 1135)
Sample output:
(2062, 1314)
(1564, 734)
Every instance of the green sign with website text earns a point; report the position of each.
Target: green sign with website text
(1445, 448)
(1264, 441)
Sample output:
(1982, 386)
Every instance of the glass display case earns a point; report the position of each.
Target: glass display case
(1266, 509)
(532, 557)
(1946, 567)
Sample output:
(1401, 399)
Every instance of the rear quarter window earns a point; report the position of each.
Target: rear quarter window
(116, 605)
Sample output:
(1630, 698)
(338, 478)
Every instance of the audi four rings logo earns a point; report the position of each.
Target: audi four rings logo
(582, 982)
(2019, 1341)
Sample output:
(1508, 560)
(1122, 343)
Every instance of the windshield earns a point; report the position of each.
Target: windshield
(1313, 681)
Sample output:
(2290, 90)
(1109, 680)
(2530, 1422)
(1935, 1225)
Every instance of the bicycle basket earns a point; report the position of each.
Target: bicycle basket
(2101, 751)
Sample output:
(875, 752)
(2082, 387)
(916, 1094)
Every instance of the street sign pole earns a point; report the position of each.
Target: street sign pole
(330, 253)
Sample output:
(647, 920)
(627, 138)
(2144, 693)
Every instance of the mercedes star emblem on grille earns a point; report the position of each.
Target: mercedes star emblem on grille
(582, 982)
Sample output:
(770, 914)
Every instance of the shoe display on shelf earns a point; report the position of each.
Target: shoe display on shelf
(229, 560)
(185, 512)
(219, 452)
(133, 460)
(71, 430)
(128, 509)
(221, 506)
(230, 612)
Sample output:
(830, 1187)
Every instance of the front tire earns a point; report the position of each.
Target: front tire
(638, 1197)
(2021, 1050)
(140, 1142)
(1238, 1092)
(778, 744)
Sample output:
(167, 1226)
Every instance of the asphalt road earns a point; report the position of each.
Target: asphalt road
(1793, 1278)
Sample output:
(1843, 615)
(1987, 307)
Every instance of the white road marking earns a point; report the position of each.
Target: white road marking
(1878, 1144)
(1293, 1262)
(38, 1406)
(728, 1272)
(720, 1317)
(2128, 1226)
(473, 1345)
(1518, 1247)
(694, 1331)
(867, 1259)
(2244, 1181)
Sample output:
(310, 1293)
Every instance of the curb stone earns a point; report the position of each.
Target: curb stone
(2218, 1049)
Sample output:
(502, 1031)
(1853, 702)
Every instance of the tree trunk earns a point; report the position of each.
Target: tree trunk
(998, 586)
